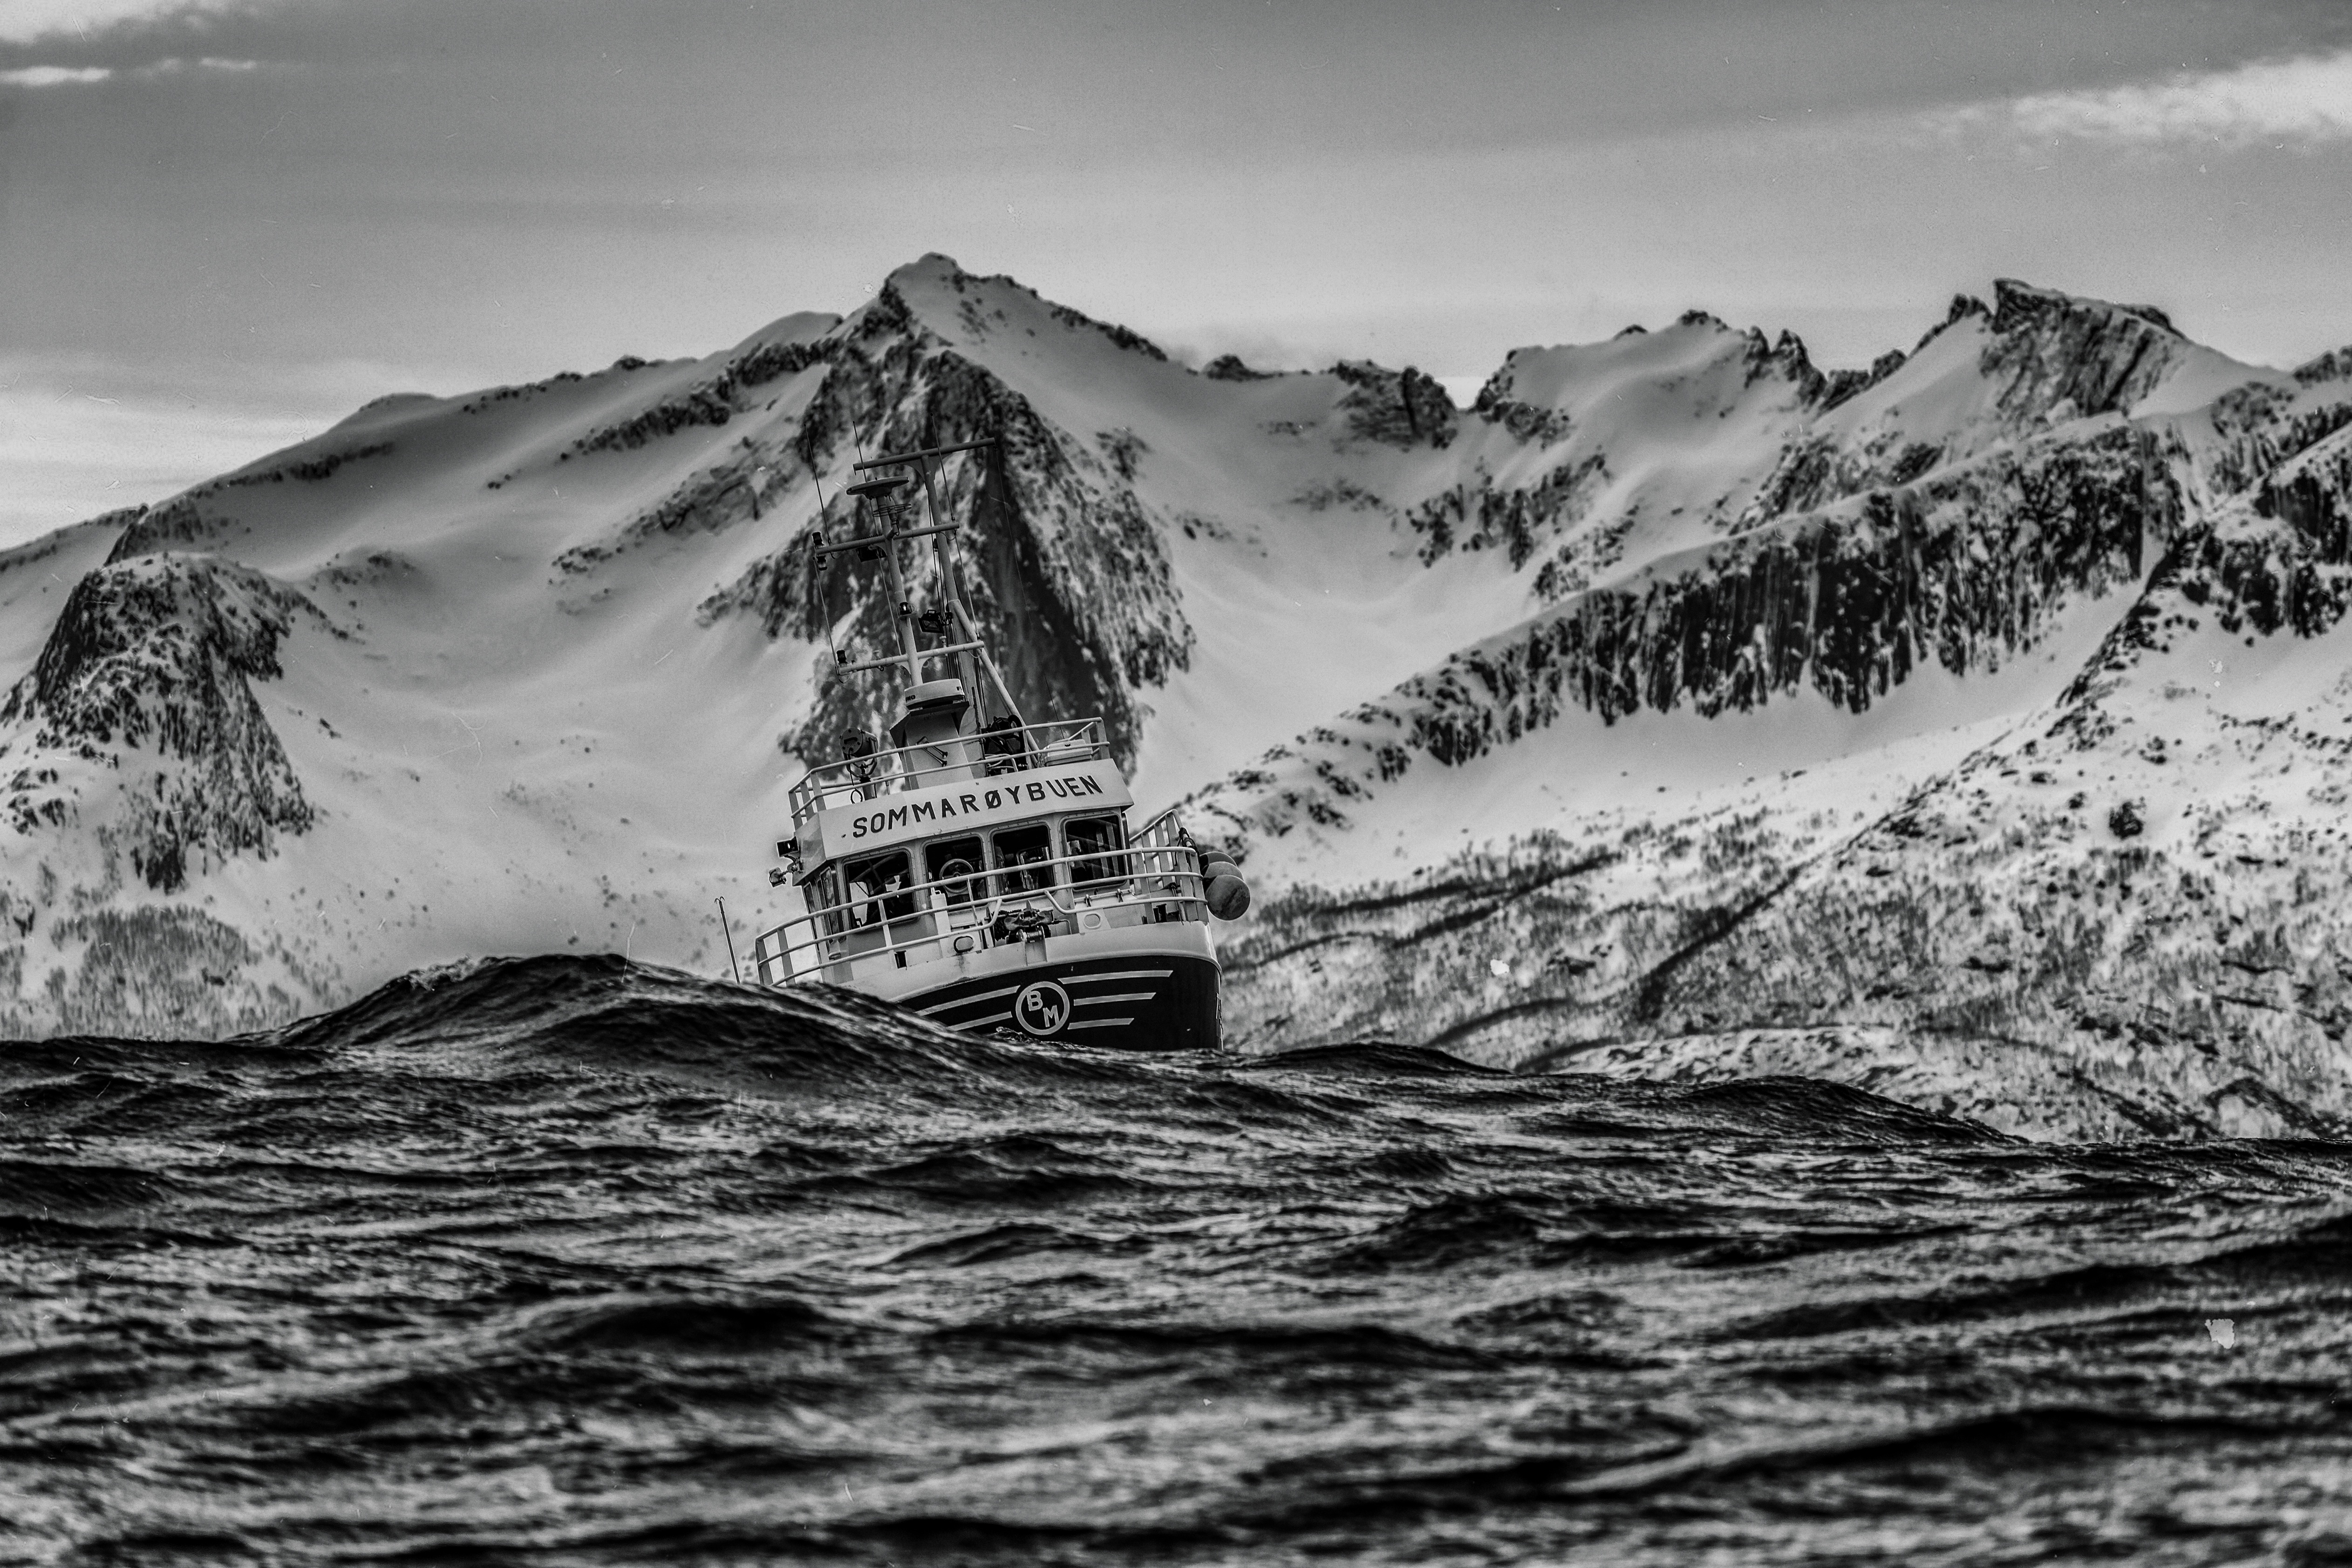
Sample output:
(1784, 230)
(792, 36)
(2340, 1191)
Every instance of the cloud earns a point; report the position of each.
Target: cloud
(31, 21)
(2307, 98)
(82, 435)
(175, 65)
(71, 455)
(54, 76)
(85, 75)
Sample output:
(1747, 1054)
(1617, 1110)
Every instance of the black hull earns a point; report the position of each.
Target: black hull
(1136, 1002)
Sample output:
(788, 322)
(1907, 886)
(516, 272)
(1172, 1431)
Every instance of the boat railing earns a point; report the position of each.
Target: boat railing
(986, 753)
(1155, 878)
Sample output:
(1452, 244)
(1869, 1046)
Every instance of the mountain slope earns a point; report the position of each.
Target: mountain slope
(528, 668)
(533, 668)
(2109, 905)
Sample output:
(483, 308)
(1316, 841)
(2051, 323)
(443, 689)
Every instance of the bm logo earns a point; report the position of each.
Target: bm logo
(1042, 1008)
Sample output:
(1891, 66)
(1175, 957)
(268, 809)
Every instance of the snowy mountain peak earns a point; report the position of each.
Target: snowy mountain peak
(2334, 365)
(2019, 306)
(1847, 556)
(534, 665)
(966, 309)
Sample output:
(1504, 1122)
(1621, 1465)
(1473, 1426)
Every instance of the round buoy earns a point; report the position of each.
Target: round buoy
(1228, 894)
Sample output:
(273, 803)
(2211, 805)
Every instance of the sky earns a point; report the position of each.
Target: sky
(224, 224)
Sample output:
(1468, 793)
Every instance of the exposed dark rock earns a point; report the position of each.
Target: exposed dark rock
(712, 402)
(1123, 448)
(1482, 516)
(2050, 348)
(1539, 427)
(521, 394)
(155, 655)
(1124, 337)
(1964, 571)
(1066, 574)
(1229, 367)
(1963, 307)
(163, 526)
(717, 497)
(1398, 408)
(1840, 385)
(2334, 365)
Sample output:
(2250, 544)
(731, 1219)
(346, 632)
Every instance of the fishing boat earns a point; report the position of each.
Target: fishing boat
(972, 865)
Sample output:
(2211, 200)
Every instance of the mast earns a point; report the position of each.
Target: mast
(881, 494)
(967, 666)
(966, 646)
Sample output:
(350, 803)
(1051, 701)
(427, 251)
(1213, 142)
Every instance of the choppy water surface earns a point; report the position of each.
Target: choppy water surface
(561, 1261)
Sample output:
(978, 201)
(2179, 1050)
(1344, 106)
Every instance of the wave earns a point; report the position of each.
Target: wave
(2015, 1439)
(40, 1189)
(572, 1259)
(605, 1013)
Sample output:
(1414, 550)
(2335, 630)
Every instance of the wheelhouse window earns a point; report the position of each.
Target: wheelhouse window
(1089, 841)
(823, 895)
(880, 888)
(953, 865)
(1021, 856)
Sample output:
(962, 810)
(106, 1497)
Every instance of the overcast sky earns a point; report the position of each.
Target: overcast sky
(225, 224)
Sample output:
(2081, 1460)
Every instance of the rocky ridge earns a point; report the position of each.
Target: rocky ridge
(2121, 915)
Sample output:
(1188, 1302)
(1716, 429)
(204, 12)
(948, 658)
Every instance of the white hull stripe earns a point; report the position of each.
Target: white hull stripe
(1076, 1023)
(1067, 981)
(967, 1001)
(1106, 1000)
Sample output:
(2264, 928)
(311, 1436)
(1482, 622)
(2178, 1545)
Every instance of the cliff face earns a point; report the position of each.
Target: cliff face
(147, 675)
(2050, 351)
(1949, 512)
(2116, 912)
(1067, 571)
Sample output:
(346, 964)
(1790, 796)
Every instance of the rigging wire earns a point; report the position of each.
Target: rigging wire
(817, 582)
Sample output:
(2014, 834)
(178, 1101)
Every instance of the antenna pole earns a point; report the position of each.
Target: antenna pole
(992, 484)
(816, 575)
(966, 666)
(732, 967)
(901, 610)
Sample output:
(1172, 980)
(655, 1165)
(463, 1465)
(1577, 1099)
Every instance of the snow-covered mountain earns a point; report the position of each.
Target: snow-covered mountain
(532, 669)
(1944, 538)
(2010, 782)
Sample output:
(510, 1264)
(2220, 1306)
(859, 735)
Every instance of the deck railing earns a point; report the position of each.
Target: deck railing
(1156, 877)
(983, 754)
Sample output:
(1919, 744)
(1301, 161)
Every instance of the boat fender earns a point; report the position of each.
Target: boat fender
(1228, 894)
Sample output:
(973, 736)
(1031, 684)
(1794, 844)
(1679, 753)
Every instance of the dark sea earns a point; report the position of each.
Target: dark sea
(566, 1261)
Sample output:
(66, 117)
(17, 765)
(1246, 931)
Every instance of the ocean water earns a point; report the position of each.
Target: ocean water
(562, 1260)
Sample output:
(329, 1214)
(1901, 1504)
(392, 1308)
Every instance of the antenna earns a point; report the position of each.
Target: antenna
(893, 511)
(817, 573)
(732, 967)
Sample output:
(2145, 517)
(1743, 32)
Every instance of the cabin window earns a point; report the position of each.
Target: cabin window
(880, 888)
(823, 895)
(1089, 841)
(952, 866)
(1021, 854)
